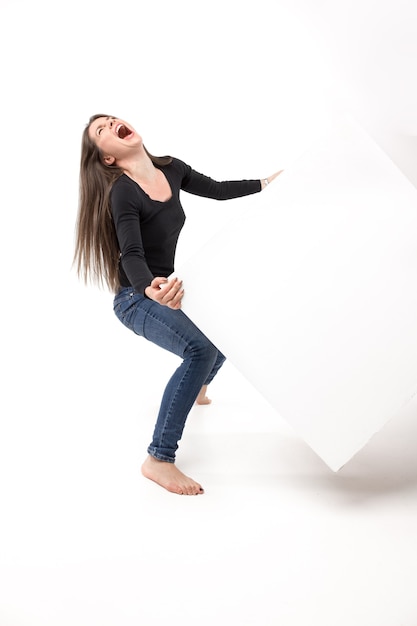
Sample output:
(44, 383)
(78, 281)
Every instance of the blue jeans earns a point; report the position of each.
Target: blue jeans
(174, 331)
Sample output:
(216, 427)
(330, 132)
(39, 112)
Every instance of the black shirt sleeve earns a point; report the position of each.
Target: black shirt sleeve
(201, 185)
(125, 200)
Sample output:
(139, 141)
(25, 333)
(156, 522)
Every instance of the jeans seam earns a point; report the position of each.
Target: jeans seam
(168, 414)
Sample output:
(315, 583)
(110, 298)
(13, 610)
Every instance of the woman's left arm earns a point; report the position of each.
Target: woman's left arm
(200, 185)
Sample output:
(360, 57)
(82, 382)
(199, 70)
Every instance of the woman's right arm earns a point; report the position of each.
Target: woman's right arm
(125, 212)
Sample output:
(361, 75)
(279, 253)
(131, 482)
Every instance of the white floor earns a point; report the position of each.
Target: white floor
(277, 538)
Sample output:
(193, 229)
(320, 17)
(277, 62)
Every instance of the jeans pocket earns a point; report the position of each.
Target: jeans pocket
(127, 309)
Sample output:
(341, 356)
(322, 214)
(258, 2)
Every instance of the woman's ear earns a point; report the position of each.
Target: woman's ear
(109, 160)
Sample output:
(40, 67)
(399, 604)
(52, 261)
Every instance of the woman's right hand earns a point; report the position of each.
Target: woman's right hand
(166, 292)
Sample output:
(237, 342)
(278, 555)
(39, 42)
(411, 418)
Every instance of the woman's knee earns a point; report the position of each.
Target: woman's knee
(202, 349)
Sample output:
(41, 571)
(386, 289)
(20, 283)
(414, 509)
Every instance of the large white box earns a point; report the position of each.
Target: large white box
(312, 294)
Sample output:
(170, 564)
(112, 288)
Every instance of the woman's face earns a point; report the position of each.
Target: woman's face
(114, 137)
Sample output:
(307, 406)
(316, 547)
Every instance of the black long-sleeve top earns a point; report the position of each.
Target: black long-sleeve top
(147, 230)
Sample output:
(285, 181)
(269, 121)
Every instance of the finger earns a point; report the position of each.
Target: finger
(177, 300)
(166, 292)
(166, 286)
(159, 282)
(276, 174)
(171, 290)
(172, 294)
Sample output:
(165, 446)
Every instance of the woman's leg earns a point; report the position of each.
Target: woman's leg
(201, 360)
(173, 331)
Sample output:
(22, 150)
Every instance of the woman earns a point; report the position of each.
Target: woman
(129, 220)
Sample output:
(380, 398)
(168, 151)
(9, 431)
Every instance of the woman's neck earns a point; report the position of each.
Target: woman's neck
(140, 168)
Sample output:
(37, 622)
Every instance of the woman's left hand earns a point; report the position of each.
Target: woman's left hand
(265, 181)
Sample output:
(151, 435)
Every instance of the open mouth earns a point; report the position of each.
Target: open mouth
(123, 131)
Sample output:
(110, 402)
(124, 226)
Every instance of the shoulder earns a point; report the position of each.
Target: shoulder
(123, 183)
(179, 167)
(124, 187)
(124, 195)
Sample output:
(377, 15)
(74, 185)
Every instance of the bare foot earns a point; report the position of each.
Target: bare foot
(202, 398)
(167, 475)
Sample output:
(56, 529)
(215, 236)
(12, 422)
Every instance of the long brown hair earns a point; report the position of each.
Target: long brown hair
(97, 253)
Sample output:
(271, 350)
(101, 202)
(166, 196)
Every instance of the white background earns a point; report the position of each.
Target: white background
(236, 90)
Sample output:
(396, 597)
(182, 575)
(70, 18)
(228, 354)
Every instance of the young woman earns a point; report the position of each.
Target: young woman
(129, 220)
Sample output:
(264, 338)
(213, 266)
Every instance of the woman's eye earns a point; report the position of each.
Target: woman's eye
(99, 131)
